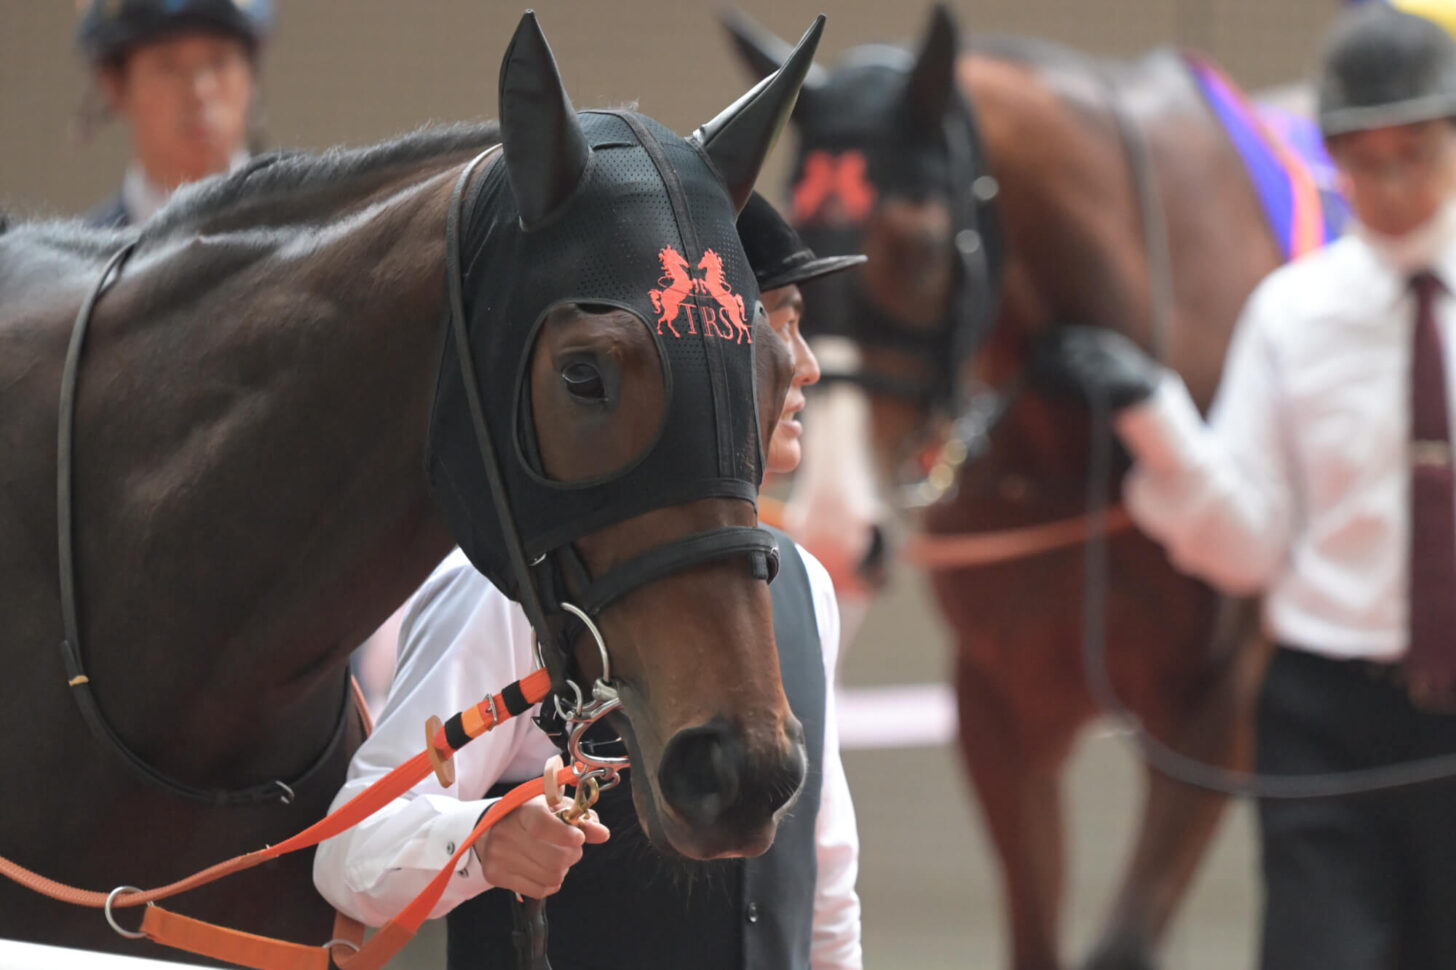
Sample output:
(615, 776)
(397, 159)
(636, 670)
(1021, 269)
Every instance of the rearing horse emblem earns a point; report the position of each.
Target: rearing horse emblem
(678, 282)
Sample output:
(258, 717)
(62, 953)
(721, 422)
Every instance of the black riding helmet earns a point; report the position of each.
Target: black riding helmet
(109, 29)
(775, 252)
(1382, 66)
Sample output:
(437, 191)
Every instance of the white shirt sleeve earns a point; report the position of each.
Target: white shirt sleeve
(836, 937)
(1219, 496)
(460, 640)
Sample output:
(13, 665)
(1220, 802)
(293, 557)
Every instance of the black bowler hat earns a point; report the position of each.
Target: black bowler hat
(1382, 67)
(775, 252)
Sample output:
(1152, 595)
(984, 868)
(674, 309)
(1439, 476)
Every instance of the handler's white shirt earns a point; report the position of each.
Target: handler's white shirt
(462, 639)
(1299, 483)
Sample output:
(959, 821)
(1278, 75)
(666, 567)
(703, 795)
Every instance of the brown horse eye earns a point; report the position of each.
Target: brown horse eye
(584, 381)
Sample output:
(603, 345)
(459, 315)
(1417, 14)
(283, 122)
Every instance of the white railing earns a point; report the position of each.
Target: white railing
(31, 956)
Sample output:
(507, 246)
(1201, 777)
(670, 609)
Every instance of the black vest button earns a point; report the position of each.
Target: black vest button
(751, 913)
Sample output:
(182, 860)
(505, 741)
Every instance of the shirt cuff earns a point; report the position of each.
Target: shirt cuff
(1163, 433)
(452, 829)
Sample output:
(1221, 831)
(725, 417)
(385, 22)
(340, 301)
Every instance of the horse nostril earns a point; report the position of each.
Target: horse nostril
(701, 772)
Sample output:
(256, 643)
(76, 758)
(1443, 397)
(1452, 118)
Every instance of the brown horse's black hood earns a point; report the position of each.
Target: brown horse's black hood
(650, 220)
(605, 209)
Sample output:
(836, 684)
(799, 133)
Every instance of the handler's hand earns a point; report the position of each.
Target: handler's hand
(1082, 361)
(530, 849)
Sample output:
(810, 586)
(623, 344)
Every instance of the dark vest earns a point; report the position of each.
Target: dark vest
(625, 907)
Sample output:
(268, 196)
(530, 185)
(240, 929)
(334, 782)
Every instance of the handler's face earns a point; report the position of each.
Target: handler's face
(1397, 177)
(785, 306)
(185, 98)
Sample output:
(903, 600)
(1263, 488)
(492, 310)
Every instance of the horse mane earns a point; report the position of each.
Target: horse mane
(285, 172)
(1023, 49)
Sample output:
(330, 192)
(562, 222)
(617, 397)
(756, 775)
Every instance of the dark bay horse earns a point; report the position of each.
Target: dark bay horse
(252, 498)
(1014, 169)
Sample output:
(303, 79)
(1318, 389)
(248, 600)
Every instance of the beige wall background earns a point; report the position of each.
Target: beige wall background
(359, 71)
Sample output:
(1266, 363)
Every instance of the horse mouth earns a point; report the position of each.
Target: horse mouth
(684, 815)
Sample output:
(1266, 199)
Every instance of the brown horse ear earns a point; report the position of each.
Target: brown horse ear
(740, 137)
(764, 52)
(931, 83)
(544, 147)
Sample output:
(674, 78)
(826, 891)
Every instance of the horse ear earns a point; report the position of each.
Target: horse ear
(738, 140)
(931, 84)
(544, 147)
(764, 53)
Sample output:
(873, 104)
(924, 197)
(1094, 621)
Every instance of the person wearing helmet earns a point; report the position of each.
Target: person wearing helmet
(1323, 480)
(611, 899)
(182, 75)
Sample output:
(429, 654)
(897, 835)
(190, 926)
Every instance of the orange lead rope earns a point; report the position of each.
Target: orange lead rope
(262, 953)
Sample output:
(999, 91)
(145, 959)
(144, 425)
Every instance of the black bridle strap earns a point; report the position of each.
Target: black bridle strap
(553, 654)
(758, 544)
(76, 676)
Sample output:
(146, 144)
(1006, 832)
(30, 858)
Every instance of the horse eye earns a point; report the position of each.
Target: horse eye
(584, 381)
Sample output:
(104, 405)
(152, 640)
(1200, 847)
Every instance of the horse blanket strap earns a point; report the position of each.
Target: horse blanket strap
(195, 936)
(758, 544)
(71, 653)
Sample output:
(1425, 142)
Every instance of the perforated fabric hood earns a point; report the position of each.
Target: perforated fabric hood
(650, 229)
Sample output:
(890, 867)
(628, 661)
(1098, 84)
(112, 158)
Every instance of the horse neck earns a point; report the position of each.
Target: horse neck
(251, 487)
(1078, 253)
(1069, 206)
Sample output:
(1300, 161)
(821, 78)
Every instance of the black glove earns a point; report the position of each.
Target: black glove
(1088, 362)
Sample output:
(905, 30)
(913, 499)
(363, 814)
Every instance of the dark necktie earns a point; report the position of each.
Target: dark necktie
(1431, 662)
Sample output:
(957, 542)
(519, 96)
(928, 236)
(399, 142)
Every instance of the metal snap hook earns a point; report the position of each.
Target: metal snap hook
(576, 706)
(111, 898)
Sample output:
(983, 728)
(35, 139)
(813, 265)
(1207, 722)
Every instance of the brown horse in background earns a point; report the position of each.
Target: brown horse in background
(1066, 239)
(251, 500)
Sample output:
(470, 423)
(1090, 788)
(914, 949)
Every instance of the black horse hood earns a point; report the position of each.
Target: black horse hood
(650, 230)
(606, 208)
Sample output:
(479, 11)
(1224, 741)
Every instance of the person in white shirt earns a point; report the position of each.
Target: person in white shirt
(611, 900)
(1323, 480)
(182, 75)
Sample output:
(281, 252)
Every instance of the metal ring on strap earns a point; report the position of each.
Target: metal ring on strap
(111, 898)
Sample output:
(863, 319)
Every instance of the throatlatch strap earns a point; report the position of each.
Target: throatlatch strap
(756, 543)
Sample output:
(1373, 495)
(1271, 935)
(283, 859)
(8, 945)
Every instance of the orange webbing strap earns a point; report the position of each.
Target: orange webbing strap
(262, 953)
(481, 718)
(230, 946)
(392, 936)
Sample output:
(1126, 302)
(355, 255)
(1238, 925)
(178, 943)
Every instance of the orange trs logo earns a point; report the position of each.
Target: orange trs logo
(678, 281)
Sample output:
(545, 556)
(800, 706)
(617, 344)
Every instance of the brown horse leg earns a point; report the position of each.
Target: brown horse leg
(1178, 820)
(1020, 794)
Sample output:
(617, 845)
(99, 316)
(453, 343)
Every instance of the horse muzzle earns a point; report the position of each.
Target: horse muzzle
(722, 797)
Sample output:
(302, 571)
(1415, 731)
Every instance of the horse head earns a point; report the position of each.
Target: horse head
(630, 453)
(887, 152)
